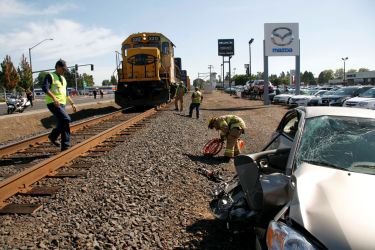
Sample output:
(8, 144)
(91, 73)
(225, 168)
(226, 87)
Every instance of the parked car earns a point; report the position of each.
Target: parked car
(259, 86)
(340, 96)
(302, 99)
(368, 95)
(283, 98)
(310, 187)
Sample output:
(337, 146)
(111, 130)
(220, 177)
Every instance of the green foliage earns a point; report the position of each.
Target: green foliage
(351, 71)
(9, 76)
(325, 76)
(363, 70)
(240, 79)
(26, 77)
(89, 79)
(308, 77)
(198, 83)
(39, 80)
(113, 80)
(339, 73)
(106, 83)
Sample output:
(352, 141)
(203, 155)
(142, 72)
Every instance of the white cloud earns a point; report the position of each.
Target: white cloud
(12, 8)
(72, 41)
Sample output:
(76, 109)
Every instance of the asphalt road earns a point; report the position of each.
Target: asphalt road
(39, 103)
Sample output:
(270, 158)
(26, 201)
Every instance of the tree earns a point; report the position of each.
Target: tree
(351, 71)
(259, 75)
(240, 79)
(363, 70)
(113, 80)
(198, 83)
(9, 76)
(26, 76)
(89, 79)
(307, 77)
(38, 82)
(325, 76)
(106, 83)
(339, 73)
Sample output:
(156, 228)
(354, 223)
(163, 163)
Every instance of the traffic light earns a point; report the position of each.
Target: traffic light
(76, 67)
(92, 67)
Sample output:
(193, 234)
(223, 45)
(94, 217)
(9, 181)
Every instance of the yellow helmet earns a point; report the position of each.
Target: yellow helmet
(211, 122)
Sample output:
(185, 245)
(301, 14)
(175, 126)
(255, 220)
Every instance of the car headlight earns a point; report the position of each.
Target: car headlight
(280, 236)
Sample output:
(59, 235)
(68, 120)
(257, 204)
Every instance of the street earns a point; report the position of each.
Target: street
(40, 104)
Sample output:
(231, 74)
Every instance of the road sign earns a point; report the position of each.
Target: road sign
(226, 47)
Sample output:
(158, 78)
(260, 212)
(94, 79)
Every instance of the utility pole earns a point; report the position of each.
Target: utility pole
(210, 67)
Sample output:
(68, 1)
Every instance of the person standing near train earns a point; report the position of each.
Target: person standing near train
(179, 96)
(55, 87)
(196, 100)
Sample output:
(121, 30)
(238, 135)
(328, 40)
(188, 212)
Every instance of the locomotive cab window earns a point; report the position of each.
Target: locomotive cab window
(125, 48)
(165, 48)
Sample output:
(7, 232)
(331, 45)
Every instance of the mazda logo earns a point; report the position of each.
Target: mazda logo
(282, 36)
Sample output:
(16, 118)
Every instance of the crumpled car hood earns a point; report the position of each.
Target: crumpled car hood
(337, 207)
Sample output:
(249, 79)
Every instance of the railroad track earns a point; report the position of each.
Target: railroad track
(34, 160)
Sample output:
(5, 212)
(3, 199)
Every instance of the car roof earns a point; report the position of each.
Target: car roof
(337, 111)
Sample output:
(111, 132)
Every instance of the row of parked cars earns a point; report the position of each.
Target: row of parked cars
(351, 96)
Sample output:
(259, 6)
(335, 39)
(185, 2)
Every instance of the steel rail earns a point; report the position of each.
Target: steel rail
(21, 182)
(17, 146)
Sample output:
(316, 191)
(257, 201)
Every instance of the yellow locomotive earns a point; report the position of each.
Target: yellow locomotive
(147, 72)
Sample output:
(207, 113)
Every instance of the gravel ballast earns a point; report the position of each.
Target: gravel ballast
(145, 193)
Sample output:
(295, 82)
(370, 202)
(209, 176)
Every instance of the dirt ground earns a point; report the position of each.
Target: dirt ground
(261, 120)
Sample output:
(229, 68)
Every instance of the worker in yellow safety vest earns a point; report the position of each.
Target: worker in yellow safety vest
(55, 87)
(179, 96)
(196, 100)
(231, 127)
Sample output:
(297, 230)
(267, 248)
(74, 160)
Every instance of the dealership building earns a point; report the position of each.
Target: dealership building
(361, 77)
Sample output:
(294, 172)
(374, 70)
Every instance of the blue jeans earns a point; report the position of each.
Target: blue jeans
(63, 128)
(192, 107)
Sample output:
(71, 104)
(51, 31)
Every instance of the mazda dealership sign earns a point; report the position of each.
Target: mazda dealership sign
(281, 39)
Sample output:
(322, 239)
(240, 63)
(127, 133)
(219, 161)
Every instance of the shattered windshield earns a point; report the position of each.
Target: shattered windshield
(339, 142)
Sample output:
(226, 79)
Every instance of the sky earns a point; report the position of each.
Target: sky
(89, 32)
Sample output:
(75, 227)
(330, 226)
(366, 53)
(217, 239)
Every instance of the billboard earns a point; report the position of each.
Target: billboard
(226, 47)
(281, 39)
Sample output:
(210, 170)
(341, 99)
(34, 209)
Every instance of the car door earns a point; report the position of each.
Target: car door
(282, 140)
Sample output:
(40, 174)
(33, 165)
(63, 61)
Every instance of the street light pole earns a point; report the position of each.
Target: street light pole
(250, 42)
(31, 67)
(344, 59)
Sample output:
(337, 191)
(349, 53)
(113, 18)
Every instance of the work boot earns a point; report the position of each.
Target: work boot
(226, 158)
(54, 142)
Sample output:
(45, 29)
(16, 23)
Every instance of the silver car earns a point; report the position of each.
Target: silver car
(331, 167)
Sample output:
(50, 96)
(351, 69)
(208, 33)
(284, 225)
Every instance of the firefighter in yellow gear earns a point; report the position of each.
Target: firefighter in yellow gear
(179, 96)
(231, 128)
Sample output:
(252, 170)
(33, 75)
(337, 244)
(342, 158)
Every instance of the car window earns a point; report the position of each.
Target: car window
(339, 142)
(291, 127)
(285, 132)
